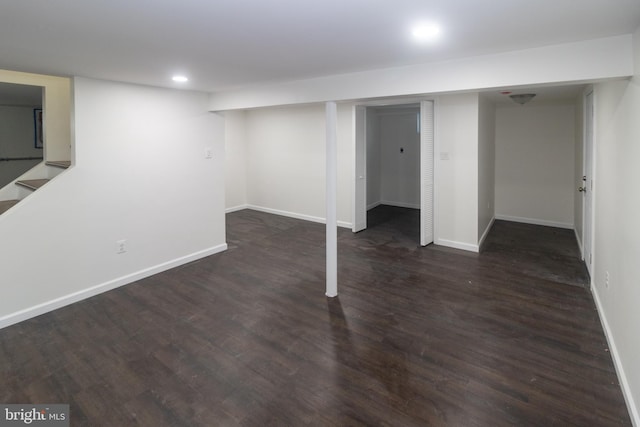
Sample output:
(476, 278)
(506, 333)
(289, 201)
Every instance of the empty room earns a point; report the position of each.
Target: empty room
(329, 214)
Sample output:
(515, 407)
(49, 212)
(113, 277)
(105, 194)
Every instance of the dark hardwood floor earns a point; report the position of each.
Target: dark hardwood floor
(417, 337)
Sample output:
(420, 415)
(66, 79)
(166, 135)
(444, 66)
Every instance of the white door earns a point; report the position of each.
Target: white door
(360, 181)
(426, 171)
(587, 184)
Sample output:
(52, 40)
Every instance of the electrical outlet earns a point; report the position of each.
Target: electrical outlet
(121, 246)
(606, 279)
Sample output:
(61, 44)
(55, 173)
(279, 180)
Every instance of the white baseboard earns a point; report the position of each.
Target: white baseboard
(48, 306)
(622, 378)
(579, 243)
(457, 245)
(400, 204)
(295, 215)
(396, 204)
(236, 208)
(373, 205)
(486, 233)
(535, 221)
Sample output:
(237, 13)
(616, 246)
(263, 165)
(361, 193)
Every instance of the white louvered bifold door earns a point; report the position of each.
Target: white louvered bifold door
(426, 171)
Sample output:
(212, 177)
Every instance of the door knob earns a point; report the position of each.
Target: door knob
(582, 189)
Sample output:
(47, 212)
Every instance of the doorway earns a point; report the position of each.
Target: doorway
(394, 165)
(21, 147)
(550, 136)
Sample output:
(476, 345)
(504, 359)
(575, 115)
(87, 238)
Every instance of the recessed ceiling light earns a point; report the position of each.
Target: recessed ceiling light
(180, 79)
(426, 32)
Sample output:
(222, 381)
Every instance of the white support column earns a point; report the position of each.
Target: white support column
(331, 205)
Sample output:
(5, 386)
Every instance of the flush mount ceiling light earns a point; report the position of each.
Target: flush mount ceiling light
(180, 79)
(426, 32)
(522, 98)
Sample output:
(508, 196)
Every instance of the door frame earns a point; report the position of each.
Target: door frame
(359, 194)
(588, 170)
(359, 142)
(427, 171)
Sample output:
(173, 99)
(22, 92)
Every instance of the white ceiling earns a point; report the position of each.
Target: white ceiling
(223, 44)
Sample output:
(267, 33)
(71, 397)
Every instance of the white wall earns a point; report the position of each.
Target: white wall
(17, 140)
(535, 155)
(235, 160)
(400, 171)
(617, 230)
(140, 175)
(571, 62)
(486, 166)
(393, 178)
(456, 191)
(286, 161)
(285, 149)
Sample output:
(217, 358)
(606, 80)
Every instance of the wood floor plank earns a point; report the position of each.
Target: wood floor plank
(418, 336)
